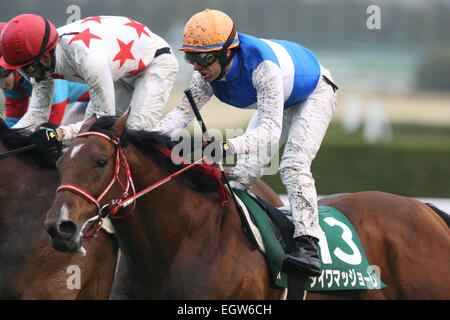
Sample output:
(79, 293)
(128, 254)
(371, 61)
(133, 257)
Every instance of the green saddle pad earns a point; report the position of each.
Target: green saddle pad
(273, 248)
(344, 263)
(345, 266)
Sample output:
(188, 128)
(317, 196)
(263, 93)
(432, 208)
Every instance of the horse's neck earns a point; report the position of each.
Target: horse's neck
(167, 218)
(21, 181)
(23, 175)
(26, 194)
(159, 207)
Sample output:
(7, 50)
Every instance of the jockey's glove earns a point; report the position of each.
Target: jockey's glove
(46, 139)
(218, 150)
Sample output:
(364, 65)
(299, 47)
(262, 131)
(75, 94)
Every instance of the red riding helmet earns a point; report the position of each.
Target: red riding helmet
(25, 39)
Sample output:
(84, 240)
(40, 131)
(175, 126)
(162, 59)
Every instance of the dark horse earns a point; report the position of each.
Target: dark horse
(179, 242)
(30, 267)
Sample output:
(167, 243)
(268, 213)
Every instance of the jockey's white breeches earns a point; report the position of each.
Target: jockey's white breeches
(146, 92)
(304, 127)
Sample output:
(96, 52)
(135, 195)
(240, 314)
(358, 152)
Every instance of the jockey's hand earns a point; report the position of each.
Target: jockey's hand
(216, 149)
(46, 139)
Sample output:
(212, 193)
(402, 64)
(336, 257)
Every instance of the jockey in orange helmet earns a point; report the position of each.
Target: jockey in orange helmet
(294, 98)
(207, 37)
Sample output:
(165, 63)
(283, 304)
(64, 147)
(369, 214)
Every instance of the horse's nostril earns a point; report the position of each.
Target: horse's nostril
(63, 235)
(67, 229)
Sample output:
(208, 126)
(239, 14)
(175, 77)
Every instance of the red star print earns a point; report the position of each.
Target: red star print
(96, 19)
(139, 68)
(125, 52)
(85, 36)
(138, 27)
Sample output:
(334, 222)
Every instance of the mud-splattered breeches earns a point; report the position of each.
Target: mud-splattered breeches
(304, 127)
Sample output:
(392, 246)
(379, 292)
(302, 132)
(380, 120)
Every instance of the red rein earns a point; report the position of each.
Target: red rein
(208, 170)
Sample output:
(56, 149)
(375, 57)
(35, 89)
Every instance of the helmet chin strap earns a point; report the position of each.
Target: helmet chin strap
(224, 60)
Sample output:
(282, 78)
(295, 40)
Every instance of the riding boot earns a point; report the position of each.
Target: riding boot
(304, 257)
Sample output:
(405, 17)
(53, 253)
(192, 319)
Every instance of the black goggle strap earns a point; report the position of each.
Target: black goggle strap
(229, 39)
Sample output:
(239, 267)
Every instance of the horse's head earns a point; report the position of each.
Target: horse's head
(92, 177)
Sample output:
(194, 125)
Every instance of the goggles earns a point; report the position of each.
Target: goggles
(204, 59)
(4, 72)
(31, 68)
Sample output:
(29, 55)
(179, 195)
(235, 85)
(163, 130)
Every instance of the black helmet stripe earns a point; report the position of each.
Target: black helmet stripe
(46, 36)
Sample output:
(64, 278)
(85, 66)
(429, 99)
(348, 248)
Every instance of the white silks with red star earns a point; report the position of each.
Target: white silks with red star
(114, 57)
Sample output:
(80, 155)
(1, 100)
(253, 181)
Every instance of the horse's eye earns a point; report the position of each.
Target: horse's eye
(101, 162)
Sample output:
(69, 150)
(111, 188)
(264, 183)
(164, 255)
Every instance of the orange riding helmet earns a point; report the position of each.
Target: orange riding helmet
(209, 30)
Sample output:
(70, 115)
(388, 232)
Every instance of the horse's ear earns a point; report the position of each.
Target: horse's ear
(88, 123)
(120, 124)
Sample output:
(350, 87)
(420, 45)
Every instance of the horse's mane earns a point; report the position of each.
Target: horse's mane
(150, 143)
(17, 138)
(444, 215)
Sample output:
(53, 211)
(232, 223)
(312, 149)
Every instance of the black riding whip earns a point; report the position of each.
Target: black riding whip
(16, 151)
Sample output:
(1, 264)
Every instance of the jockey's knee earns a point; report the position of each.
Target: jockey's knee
(295, 166)
(298, 172)
(242, 180)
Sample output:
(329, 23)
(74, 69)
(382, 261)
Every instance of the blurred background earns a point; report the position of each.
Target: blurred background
(390, 59)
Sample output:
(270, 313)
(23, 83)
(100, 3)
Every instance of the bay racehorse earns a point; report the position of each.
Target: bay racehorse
(180, 243)
(29, 267)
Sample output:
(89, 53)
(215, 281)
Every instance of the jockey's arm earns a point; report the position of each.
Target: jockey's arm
(179, 118)
(268, 82)
(40, 105)
(102, 99)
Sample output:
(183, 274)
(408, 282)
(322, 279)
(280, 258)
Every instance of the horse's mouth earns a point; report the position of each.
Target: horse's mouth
(64, 236)
(66, 246)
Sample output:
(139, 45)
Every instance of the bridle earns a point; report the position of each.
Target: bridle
(109, 209)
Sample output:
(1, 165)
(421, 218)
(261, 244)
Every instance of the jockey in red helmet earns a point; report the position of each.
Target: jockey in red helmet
(17, 91)
(27, 41)
(124, 64)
